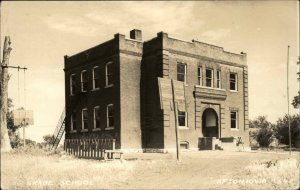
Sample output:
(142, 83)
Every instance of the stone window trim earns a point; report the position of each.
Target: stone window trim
(84, 118)
(83, 82)
(219, 79)
(108, 117)
(108, 75)
(95, 119)
(233, 82)
(72, 84)
(94, 79)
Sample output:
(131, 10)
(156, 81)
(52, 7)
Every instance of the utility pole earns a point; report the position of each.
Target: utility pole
(4, 78)
(288, 100)
(299, 89)
(176, 122)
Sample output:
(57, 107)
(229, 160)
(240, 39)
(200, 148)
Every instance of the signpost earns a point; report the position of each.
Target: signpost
(172, 91)
(23, 118)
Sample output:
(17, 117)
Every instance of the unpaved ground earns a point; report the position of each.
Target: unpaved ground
(196, 170)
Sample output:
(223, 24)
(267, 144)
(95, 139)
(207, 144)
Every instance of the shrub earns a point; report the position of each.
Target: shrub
(264, 133)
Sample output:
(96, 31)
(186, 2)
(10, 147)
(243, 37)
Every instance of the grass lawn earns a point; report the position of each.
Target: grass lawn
(196, 170)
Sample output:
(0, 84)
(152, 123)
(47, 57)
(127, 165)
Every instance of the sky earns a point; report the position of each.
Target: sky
(43, 32)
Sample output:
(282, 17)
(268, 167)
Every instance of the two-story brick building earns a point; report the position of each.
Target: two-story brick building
(112, 91)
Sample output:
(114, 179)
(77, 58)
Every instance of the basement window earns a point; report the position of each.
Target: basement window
(233, 120)
(209, 77)
(233, 81)
(84, 81)
(184, 145)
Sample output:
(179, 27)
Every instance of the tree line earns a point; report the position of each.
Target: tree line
(265, 134)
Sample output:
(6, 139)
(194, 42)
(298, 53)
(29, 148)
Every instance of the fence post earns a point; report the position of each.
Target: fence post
(113, 144)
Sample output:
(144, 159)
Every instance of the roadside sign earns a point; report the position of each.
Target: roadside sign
(23, 117)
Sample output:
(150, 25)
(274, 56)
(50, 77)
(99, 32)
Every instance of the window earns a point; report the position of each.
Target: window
(85, 119)
(110, 116)
(233, 81)
(72, 84)
(84, 81)
(209, 77)
(200, 76)
(97, 117)
(181, 72)
(73, 121)
(234, 120)
(218, 79)
(96, 78)
(109, 74)
(182, 119)
(184, 145)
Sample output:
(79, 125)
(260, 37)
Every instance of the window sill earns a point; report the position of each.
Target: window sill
(108, 86)
(73, 131)
(83, 91)
(233, 91)
(109, 128)
(96, 89)
(234, 129)
(84, 130)
(183, 128)
(72, 94)
(207, 87)
(96, 129)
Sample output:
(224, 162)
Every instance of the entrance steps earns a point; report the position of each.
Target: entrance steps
(225, 143)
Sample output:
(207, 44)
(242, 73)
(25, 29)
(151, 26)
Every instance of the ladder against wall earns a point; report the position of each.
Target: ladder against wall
(59, 130)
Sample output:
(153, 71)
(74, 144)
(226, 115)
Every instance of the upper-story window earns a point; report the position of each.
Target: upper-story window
(73, 121)
(85, 122)
(84, 81)
(218, 79)
(96, 77)
(209, 77)
(181, 72)
(72, 84)
(97, 117)
(110, 116)
(200, 76)
(233, 81)
(233, 120)
(109, 74)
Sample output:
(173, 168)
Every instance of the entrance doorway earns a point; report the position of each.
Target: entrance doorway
(210, 123)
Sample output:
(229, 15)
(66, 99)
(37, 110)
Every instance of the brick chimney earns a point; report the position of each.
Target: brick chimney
(136, 34)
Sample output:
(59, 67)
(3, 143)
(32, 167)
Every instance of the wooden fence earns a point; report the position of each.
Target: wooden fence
(89, 148)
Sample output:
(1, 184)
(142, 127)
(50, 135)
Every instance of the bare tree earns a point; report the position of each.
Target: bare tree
(4, 78)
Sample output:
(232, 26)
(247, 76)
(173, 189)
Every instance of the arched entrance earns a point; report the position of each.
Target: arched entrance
(210, 123)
